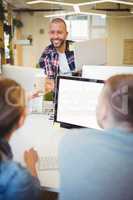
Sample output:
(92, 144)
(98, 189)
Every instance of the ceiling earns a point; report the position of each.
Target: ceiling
(109, 8)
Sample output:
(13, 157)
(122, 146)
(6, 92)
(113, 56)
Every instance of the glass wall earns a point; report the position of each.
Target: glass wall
(85, 27)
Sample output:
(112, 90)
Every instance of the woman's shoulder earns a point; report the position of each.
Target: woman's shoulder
(11, 170)
(15, 181)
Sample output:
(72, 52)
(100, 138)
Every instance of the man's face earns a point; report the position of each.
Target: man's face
(57, 34)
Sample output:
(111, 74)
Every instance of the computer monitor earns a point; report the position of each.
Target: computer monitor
(104, 72)
(76, 101)
(26, 76)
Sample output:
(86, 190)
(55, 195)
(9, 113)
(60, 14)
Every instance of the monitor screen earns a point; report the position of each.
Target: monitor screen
(76, 101)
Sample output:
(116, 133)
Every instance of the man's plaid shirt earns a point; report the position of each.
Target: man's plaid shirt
(49, 61)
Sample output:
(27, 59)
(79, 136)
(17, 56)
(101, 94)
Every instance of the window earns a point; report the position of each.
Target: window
(77, 27)
(98, 27)
(83, 27)
(98, 21)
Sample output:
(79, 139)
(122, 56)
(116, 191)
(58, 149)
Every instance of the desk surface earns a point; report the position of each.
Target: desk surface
(39, 132)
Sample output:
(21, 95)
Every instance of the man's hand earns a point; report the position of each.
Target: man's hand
(49, 85)
(77, 73)
(33, 95)
(31, 158)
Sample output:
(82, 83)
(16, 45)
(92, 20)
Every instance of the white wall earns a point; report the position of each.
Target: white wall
(118, 29)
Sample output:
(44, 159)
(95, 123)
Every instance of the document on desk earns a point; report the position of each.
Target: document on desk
(77, 102)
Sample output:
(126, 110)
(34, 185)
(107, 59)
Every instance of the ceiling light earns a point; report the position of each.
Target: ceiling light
(74, 13)
(50, 2)
(91, 3)
(79, 4)
(60, 14)
(105, 1)
(91, 13)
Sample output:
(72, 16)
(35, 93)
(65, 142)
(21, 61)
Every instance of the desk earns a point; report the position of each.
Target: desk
(39, 132)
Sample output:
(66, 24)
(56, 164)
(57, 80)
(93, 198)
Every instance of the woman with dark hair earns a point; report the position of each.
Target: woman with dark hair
(16, 182)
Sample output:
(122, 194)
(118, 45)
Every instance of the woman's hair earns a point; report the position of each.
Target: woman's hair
(12, 105)
(119, 92)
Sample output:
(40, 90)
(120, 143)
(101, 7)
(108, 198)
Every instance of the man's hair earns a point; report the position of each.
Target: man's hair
(119, 93)
(59, 20)
(12, 105)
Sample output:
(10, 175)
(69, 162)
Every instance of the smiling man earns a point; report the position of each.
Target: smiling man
(57, 58)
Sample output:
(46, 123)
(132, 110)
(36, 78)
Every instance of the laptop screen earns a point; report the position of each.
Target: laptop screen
(76, 101)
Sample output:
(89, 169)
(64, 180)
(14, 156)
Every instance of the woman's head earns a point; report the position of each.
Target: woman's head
(12, 106)
(115, 108)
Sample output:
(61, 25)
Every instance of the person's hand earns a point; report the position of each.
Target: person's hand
(33, 95)
(49, 85)
(31, 159)
(77, 73)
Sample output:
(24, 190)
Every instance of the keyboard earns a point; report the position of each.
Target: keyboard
(48, 163)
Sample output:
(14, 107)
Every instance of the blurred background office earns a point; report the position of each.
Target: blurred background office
(24, 27)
